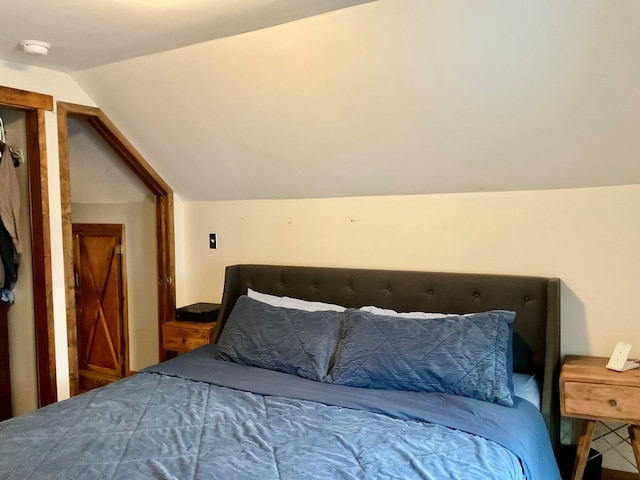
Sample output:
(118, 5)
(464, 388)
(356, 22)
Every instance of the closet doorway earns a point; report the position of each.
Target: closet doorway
(34, 105)
(162, 195)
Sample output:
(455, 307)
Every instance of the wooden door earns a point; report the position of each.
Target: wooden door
(100, 304)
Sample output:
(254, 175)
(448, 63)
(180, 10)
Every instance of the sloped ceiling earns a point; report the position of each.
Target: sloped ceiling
(391, 97)
(87, 34)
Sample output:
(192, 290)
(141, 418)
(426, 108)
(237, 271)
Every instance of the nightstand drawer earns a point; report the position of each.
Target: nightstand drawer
(593, 400)
(592, 392)
(185, 336)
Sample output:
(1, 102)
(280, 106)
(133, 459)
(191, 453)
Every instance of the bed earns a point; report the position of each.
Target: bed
(327, 393)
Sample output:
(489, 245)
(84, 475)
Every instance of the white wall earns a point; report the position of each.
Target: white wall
(586, 237)
(139, 220)
(63, 88)
(392, 97)
(21, 318)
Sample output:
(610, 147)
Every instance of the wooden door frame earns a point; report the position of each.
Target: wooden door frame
(125, 151)
(35, 105)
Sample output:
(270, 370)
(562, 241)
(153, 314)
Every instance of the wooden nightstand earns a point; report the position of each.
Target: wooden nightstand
(186, 336)
(592, 392)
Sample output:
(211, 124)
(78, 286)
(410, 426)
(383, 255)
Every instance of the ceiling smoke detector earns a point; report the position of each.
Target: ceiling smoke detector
(35, 47)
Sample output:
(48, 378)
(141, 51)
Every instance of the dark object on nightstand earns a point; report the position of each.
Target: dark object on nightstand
(566, 459)
(198, 312)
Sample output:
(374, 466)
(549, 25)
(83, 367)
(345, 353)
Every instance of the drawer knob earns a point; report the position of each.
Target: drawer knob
(613, 403)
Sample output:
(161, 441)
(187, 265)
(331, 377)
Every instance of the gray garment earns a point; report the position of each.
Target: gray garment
(10, 248)
(9, 198)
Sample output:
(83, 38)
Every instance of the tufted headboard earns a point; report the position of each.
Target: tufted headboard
(536, 300)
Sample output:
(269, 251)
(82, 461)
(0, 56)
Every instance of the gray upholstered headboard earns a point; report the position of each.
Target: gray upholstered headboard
(536, 300)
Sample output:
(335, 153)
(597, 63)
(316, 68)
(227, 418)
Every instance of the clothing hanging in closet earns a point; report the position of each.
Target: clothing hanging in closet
(10, 248)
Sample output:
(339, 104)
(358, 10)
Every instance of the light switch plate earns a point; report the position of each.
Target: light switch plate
(213, 240)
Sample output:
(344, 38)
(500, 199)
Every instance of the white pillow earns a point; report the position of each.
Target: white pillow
(264, 298)
(393, 313)
(525, 386)
(295, 303)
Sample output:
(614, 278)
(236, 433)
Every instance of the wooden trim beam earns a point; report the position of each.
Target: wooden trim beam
(125, 150)
(67, 247)
(109, 133)
(41, 260)
(22, 99)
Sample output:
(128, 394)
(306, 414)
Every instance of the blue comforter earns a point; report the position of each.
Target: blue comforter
(195, 417)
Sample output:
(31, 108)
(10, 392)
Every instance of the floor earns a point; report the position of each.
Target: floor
(618, 475)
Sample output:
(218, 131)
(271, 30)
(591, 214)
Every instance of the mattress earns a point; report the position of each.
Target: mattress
(197, 417)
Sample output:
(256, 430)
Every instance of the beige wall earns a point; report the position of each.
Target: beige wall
(139, 222)
(586, 237)
(22, 348)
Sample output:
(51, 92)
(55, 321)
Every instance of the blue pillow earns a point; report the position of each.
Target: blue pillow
(287, 340)
(464, 355)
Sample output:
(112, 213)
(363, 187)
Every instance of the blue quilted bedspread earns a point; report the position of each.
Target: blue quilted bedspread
(159, 424)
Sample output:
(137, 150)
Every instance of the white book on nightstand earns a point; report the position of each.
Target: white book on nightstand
(618, 360)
